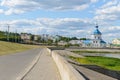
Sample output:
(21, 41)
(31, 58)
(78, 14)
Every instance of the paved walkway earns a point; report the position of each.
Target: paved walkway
(45, 69)
(92, 75)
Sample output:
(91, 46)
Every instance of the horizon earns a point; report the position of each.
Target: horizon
(72, 18)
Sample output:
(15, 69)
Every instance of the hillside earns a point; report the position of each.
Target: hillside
(8, 47)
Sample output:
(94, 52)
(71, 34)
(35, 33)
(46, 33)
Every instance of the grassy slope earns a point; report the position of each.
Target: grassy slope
(109, 63)
(8, 47)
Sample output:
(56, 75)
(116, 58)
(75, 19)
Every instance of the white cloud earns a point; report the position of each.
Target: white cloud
(1, 11)
(111, 32)
(109, 11)
(93, 1)
(110, 3)
(62, 26)
(21, 6)
(13, 11)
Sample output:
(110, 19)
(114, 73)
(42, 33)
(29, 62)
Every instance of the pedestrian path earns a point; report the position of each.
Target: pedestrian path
(45, 69)
(92, 75)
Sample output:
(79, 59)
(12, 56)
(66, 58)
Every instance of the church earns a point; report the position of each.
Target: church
(96, 42)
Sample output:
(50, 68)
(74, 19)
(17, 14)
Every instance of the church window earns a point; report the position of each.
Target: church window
(98, 37)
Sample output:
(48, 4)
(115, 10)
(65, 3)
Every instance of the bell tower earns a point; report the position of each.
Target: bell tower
(97, 34)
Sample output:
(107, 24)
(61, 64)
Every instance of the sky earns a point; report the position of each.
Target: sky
(62, 17)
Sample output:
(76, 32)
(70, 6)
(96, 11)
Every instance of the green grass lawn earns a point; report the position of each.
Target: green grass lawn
(86, 51)
(8, 47)
(105, 62)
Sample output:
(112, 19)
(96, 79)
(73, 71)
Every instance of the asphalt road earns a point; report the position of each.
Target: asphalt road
(11, 66)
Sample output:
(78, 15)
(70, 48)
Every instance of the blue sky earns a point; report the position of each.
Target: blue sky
(63, 17)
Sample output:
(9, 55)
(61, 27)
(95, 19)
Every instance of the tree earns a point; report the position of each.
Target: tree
(83, 39)
(32, 38)
(49, 41)
(66, 39)
(74, 38)
(39, 39)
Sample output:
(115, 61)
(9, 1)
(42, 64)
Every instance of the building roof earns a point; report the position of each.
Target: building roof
(87, 41)
(102, 41)
(97, 32)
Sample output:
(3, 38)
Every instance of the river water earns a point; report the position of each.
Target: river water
(113, 55)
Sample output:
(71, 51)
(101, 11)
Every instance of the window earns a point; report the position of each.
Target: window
(98, 37)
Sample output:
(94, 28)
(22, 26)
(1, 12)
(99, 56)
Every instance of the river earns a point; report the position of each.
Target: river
(102, 54)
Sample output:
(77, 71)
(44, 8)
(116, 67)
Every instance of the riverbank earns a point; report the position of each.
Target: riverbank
(105, 62)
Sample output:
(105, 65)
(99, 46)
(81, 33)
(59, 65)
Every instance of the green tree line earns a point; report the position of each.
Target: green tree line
(12, 37)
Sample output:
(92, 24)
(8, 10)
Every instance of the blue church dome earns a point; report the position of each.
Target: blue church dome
(97, 31)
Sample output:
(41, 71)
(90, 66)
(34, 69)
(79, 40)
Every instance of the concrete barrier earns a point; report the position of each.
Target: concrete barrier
(66, 70)
(49, 51)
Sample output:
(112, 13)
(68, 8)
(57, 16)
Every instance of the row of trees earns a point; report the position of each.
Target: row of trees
(12, 37)
(67, 39)
(16, 37)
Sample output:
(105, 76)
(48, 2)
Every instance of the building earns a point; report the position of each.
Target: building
(87, 43)
(116, 41)
(73, 42)
(25, 36)
(56, 38)
(96, 42)
(46, 37)
(36, 37)
(62, 43)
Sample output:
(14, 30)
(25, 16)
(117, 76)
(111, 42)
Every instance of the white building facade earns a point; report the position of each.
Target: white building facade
(97, 41)
(116, 41)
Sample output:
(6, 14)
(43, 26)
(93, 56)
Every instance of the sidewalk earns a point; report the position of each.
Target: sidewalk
(45, 69)
(92, 75)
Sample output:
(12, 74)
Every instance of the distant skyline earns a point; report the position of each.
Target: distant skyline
(62, 17)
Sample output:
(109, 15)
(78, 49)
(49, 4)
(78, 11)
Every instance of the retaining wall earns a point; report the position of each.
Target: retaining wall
(66, 70)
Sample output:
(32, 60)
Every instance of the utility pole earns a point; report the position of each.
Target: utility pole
(8, 32)
(16, 36)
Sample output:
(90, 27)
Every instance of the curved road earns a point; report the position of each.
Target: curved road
(13, 67)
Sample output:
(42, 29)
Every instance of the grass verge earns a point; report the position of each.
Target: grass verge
(8, 47)
(105, 62)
